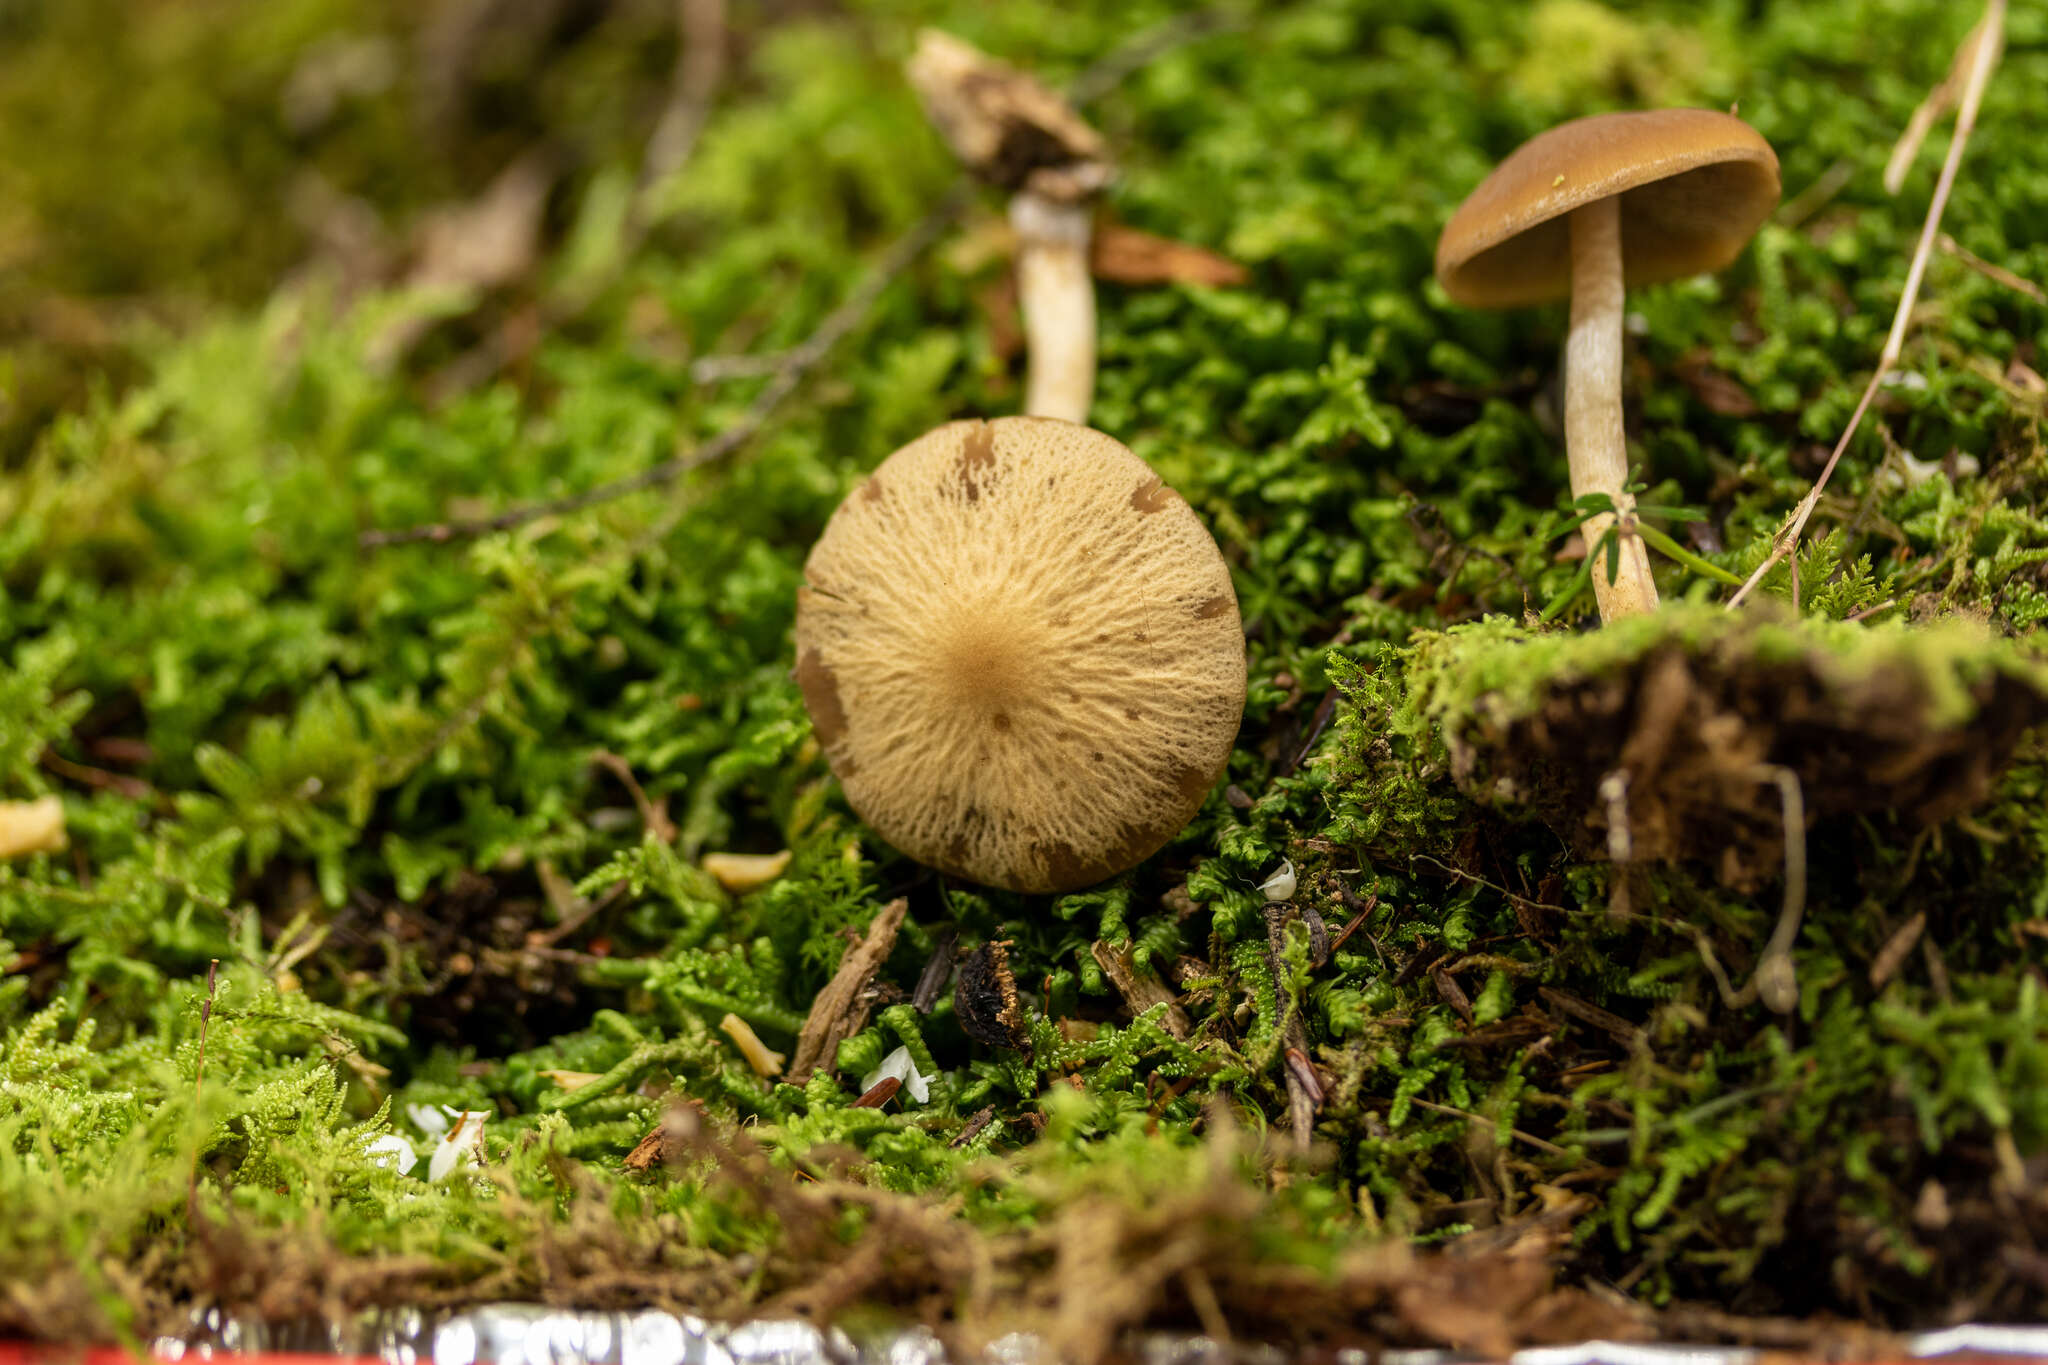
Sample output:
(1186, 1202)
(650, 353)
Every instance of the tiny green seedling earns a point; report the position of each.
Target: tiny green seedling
(1608, 547)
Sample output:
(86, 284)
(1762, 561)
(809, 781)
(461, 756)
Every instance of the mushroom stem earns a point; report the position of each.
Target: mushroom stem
(1593, 438)
(1058, 298)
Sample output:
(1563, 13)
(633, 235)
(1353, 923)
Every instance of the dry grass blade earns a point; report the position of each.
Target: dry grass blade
(1983, 47)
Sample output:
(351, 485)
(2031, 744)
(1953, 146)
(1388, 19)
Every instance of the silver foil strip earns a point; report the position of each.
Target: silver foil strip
(530, 1334)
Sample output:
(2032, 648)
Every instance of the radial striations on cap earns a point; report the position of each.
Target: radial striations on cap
(1021, 653)
(1694, 184)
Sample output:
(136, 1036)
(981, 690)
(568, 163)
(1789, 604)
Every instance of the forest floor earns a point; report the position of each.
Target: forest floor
(378, 844)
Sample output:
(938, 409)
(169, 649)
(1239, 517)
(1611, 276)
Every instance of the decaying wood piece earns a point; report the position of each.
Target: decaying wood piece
(841, 1009)
(1140, 989)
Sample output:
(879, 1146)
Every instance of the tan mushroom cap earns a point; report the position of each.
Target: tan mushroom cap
(1021, 653)
(1694, 184)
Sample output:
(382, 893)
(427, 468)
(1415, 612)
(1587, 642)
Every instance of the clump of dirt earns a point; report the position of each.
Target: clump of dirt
(1670, 742)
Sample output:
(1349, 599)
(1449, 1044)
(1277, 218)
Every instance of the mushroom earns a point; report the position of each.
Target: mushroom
(1582, 210)
(1012, 132)
(1021, 654)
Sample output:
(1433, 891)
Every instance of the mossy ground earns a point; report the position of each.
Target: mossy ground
(367, 782)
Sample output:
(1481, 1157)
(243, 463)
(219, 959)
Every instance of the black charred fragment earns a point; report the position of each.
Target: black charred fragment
(985, 998)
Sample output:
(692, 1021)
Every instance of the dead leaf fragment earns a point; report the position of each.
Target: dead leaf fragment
(1128, 255)
(32, 827)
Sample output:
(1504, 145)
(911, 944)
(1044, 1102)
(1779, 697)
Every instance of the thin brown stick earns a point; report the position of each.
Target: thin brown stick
(1985, 42)
(1990, 270)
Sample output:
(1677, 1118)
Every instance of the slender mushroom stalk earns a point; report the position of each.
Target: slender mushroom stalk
(1594, 442)
(1583, 212)
(1057, 294)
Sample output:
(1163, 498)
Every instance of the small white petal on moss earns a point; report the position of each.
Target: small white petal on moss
(462, 1148)
(764, 1062)
(430, 1119)
(393, 1152)
(32, 827)
(899, 1065)
(1280, 886)
(743, 872)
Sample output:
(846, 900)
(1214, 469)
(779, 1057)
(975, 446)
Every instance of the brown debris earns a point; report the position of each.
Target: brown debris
(985, 998)
(841, 1009)
(1007, 128)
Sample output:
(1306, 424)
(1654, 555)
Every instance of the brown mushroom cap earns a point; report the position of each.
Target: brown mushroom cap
(1694, 185)
(1021, 652)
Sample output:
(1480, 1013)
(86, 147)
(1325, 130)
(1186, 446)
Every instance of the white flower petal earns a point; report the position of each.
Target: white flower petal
(462, 1148)
(429, 1119)
(394, 1152)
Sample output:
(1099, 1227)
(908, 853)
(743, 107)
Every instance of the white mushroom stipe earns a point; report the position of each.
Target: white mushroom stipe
(1057, 296)
(1021, 653)
(1594, 442)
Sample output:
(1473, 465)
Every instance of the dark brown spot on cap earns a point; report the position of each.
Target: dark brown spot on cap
(977, 458)
(1000, 721)
(821, 697)
(1192, 783)
(1212, 608)
(1152, 495)
(872, 490)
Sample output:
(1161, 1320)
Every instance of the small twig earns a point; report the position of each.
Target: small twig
(1984, 45)
(1516, 1133)
(1352, 925)
(653, 815)
(2019, 284)
(978, 1120)
(1868, 612)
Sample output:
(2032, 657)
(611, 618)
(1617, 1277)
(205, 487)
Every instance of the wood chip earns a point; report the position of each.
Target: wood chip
(740, 873)
(841, 1009)
(32, 827)
(1140, 989)
(764, 1062)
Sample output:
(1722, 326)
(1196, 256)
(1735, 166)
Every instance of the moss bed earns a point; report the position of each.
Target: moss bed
(439, 811)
